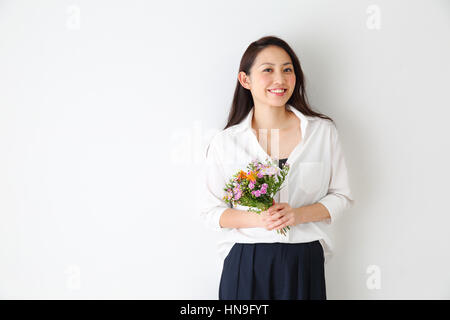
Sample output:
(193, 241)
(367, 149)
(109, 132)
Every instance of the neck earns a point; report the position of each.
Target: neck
(270, 117)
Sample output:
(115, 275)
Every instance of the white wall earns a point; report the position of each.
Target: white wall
(99, 99)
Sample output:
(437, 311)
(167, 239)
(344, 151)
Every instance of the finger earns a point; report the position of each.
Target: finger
(265, 213)
(275, 208)
(286, 223)
(271, 208)
(281, 226)
(277, 223)
(278, 214)
(273, 218)
(281, 213)
(278, 227)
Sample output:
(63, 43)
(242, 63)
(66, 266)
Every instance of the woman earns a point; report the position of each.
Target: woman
(270, 117)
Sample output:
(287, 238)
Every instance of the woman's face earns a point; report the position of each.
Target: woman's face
(272, 69)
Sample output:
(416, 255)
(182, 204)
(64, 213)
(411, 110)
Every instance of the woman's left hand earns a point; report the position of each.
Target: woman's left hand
(283, 215)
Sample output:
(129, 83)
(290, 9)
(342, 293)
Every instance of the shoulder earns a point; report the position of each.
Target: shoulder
(324, 128)
(331, 132)
(321, 123)
(325, 123)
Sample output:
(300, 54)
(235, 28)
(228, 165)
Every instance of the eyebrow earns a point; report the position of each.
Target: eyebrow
(274, 64)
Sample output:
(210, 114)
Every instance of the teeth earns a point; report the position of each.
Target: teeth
(277, 91)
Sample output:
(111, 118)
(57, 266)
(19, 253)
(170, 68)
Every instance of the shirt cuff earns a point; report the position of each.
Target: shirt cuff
(336, 205)
(212, 218)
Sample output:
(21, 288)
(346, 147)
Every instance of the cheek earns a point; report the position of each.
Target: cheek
(263, 83)
(291, 81)
(265, 80)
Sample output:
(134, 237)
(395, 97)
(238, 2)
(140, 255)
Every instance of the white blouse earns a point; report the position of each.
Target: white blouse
(318, 173)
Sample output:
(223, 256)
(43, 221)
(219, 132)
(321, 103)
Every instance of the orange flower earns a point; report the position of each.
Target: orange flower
(251, 176)
(242, 175)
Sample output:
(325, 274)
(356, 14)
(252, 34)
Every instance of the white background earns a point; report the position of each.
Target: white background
(106, 108)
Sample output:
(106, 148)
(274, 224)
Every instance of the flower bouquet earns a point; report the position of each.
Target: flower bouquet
(256, 187)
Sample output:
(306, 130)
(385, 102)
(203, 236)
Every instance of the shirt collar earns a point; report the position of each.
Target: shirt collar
(246, 123)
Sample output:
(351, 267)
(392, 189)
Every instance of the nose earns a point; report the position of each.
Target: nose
(278, 78)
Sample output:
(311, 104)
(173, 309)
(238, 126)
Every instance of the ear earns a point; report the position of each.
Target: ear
(244, 80)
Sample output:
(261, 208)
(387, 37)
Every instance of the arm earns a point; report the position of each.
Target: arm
(215, 212)
(311, 213)
(339, 197)
(234, 218)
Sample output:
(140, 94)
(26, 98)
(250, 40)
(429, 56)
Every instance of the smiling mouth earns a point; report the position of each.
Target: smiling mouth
(278, 92)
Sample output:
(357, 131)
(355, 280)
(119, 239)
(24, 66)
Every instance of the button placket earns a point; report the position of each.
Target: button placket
(284, 197)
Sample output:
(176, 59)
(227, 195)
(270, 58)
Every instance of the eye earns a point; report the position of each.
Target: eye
(289, 69)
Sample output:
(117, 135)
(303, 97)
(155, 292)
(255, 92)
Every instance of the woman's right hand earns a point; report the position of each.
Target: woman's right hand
(266, 219)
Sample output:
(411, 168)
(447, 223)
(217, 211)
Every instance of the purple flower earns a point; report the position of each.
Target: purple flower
(251, 185)
(229, 194)
(264, 188)
(272, 171)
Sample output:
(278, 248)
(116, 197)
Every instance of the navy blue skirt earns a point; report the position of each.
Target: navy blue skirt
(273, 271)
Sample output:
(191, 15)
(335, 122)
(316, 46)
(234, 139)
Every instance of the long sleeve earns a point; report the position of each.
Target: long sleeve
(213, 203)
(339, 197)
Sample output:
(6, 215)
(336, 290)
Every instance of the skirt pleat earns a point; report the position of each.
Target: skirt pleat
(273, 271)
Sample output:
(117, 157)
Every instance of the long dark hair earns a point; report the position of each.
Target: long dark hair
(243, 100)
